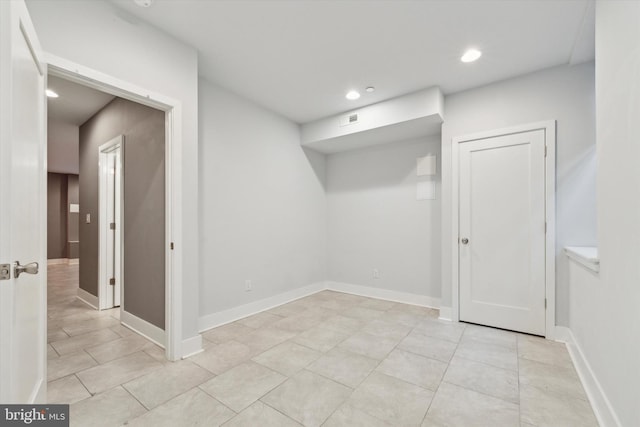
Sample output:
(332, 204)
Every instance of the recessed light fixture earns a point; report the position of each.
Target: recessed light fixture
(143, 3)
(471, 55)
(51, 94)
(370, 89)
(352, 95)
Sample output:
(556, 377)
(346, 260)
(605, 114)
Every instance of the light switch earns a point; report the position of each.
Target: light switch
(426, 166)
(88, 219)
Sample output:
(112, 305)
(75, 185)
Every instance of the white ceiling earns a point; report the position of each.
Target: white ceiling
(299, 58)
(76, 103)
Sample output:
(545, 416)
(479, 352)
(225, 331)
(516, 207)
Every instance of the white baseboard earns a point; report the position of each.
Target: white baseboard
(63, 261)
(142, 327)
(599, 402)
(446, 313)
(87, 298)
(385, 294)
(227, 316)
(192, 346)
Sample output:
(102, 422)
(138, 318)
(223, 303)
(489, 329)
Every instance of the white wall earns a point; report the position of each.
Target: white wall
(63, 148)
(263, 206)
(95, 34)
(565, 94)
(605, 317)
(375, 221)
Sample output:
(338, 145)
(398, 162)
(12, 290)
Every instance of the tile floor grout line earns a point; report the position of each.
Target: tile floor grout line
(443, 376)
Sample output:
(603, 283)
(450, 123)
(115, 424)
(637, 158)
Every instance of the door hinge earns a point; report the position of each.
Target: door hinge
(112, 281)
(545, 151)
(112, 226)
(171, 245)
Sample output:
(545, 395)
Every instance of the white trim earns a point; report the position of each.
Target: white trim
(227, 316)
(550, 179)
(192, 346)
(105, 292)
(385, 294)
(142, 327)
(87, 298)
(446, 313)
(173, 174)
(586, 256)
(599, 402)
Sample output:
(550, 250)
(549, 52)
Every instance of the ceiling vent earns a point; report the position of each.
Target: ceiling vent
(349, 119)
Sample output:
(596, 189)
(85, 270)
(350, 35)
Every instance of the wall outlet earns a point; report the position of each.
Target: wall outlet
(376, 273)
(88, 219)
(248, 286)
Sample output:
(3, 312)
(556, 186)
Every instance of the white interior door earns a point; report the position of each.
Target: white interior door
(502, 232)
(110, 188)
(23, 305)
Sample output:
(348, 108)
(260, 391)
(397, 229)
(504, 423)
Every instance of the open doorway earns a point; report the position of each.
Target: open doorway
(111, 277)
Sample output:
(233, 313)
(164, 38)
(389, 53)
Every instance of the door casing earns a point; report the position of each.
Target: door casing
(105, 292)
(549, 128)
(89, 77)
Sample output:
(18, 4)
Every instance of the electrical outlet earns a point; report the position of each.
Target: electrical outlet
(248, 286)
(376, 273)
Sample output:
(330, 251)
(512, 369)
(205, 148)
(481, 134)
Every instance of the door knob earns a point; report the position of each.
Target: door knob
(465, 241)
(31, 268)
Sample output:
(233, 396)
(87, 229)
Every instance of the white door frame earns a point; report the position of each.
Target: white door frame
(549, 128)
(105, 294)
(86, 76)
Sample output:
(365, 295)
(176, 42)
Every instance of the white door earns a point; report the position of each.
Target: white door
(502, 232)
(23, 304)
(110, 189)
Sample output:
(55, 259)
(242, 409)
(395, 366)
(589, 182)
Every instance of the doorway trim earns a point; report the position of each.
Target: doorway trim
(549, 128)
(85, 76)
(103, 287)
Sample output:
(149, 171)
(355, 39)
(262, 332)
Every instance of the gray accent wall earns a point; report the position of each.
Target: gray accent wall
(62, 225)
(56, 215)
(144, 204)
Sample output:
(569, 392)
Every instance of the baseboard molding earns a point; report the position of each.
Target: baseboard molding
(142, 327)
(192, 346)
(599, 402)
(385, 294)
(446, 313)
(87, 298)
(227, 316)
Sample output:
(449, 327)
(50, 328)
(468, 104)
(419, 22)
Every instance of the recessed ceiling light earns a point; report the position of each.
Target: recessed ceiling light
(51, 94)
(143, 3)
(352, 95)
(471, 55)
(370, 89)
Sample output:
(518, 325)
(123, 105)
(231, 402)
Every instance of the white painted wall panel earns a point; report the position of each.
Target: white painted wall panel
(375, 221)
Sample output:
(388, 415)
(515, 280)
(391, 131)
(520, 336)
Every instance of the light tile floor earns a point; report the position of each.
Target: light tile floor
(329, 359)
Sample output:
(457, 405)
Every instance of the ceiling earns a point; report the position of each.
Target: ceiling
(299, 58)
(76, 103)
